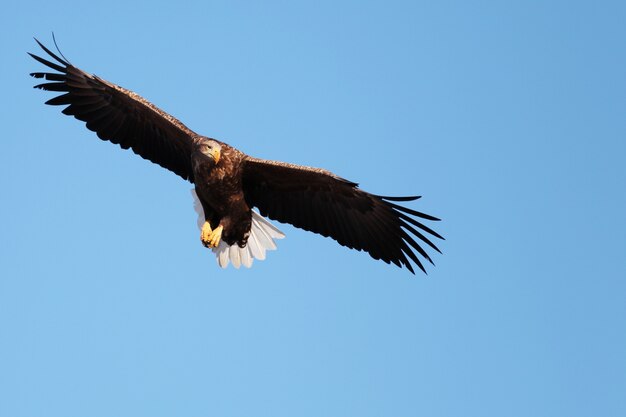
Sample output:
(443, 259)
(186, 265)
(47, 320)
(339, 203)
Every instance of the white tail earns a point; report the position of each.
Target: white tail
(261, 239)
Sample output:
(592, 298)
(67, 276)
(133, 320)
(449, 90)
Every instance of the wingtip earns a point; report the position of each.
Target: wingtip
(63, 60)
(39, 43)
(405, 198)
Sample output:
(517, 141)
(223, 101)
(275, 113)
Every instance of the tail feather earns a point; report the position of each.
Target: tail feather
(265, 239)
(261, 239)
(269, 228)
(223, 254)
(256, 250)
(235, 257)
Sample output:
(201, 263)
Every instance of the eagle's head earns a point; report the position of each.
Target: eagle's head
(210, 148)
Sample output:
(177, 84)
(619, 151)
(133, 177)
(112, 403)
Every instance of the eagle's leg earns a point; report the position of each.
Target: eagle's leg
(210, 238)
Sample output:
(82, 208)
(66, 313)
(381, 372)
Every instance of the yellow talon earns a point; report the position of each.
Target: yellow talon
(210, 238)
(205, 234)
(216, 236)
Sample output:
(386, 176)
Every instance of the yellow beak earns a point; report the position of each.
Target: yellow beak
(215, 154)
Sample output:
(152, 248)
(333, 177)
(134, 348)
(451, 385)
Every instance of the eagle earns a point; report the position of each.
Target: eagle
(228, 184)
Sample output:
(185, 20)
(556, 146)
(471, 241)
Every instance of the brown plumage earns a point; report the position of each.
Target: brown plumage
(229, 183)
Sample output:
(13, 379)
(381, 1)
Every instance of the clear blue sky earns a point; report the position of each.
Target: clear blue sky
(509, 119)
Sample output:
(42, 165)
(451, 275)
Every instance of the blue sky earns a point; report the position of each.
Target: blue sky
(507, 117)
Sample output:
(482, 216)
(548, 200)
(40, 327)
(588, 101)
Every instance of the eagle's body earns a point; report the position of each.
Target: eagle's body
(229, 183)
(219, 188)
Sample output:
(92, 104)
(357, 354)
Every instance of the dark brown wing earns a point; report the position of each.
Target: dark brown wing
(119, 115)
(316, 200)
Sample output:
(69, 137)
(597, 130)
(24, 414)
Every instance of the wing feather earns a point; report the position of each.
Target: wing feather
(319, 201)
(118, 115)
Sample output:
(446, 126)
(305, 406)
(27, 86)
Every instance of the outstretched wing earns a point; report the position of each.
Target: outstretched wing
(118, 115)
(317, 200)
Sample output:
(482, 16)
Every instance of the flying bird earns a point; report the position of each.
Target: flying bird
(228, 184)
